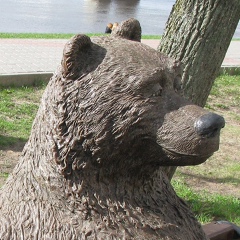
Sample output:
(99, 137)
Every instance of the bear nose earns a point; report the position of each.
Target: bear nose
(209, 125)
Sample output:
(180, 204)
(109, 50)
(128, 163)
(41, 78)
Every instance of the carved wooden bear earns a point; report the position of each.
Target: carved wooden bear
(110, 117)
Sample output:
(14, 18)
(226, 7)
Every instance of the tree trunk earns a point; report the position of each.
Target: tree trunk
(198, 33)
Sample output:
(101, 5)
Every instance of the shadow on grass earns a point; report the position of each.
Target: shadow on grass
(213, 180)
(12, 143)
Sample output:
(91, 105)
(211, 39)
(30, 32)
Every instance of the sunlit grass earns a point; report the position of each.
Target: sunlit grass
(43, 35)
(209, 207)
(227, 87)
(60, 35)
(18, 107)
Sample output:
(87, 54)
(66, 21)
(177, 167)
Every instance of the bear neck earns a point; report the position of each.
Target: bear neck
(94, 209)
(118, 187)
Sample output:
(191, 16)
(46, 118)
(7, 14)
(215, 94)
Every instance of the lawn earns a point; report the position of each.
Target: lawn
(211, 189)
(18, 107)
(59, 35)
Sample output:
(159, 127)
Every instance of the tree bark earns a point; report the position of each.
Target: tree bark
(198, 33)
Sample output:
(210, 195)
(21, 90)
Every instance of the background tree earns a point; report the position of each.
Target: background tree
(198, 33)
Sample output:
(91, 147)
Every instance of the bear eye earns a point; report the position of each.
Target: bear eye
(152, 90)
(157, 93)
(157, 90)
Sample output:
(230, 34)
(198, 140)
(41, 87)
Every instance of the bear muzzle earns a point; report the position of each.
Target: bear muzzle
(190, 135)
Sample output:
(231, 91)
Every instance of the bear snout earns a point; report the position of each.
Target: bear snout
(209, 125)
(190, 135)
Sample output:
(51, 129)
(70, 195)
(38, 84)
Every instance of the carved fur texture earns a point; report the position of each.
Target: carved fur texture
(110, 117)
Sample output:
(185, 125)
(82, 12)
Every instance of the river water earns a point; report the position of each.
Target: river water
(83, 16)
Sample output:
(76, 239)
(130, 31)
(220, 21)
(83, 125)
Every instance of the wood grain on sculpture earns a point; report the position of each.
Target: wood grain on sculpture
(110, 117)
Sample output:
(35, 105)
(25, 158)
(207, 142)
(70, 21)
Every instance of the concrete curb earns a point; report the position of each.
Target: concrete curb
(231, 70)
(24, 79)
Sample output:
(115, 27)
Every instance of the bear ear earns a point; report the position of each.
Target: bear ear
(129, 29)
(74, 54)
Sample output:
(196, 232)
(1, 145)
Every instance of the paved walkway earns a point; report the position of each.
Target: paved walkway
(20, 56)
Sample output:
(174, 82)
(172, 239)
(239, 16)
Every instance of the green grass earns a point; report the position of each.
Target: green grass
(42, 35)
(209, 207)
(225, 87)
(4, 175)
(67, 35)
(59, 35)
(151, 37)
(18, 107)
